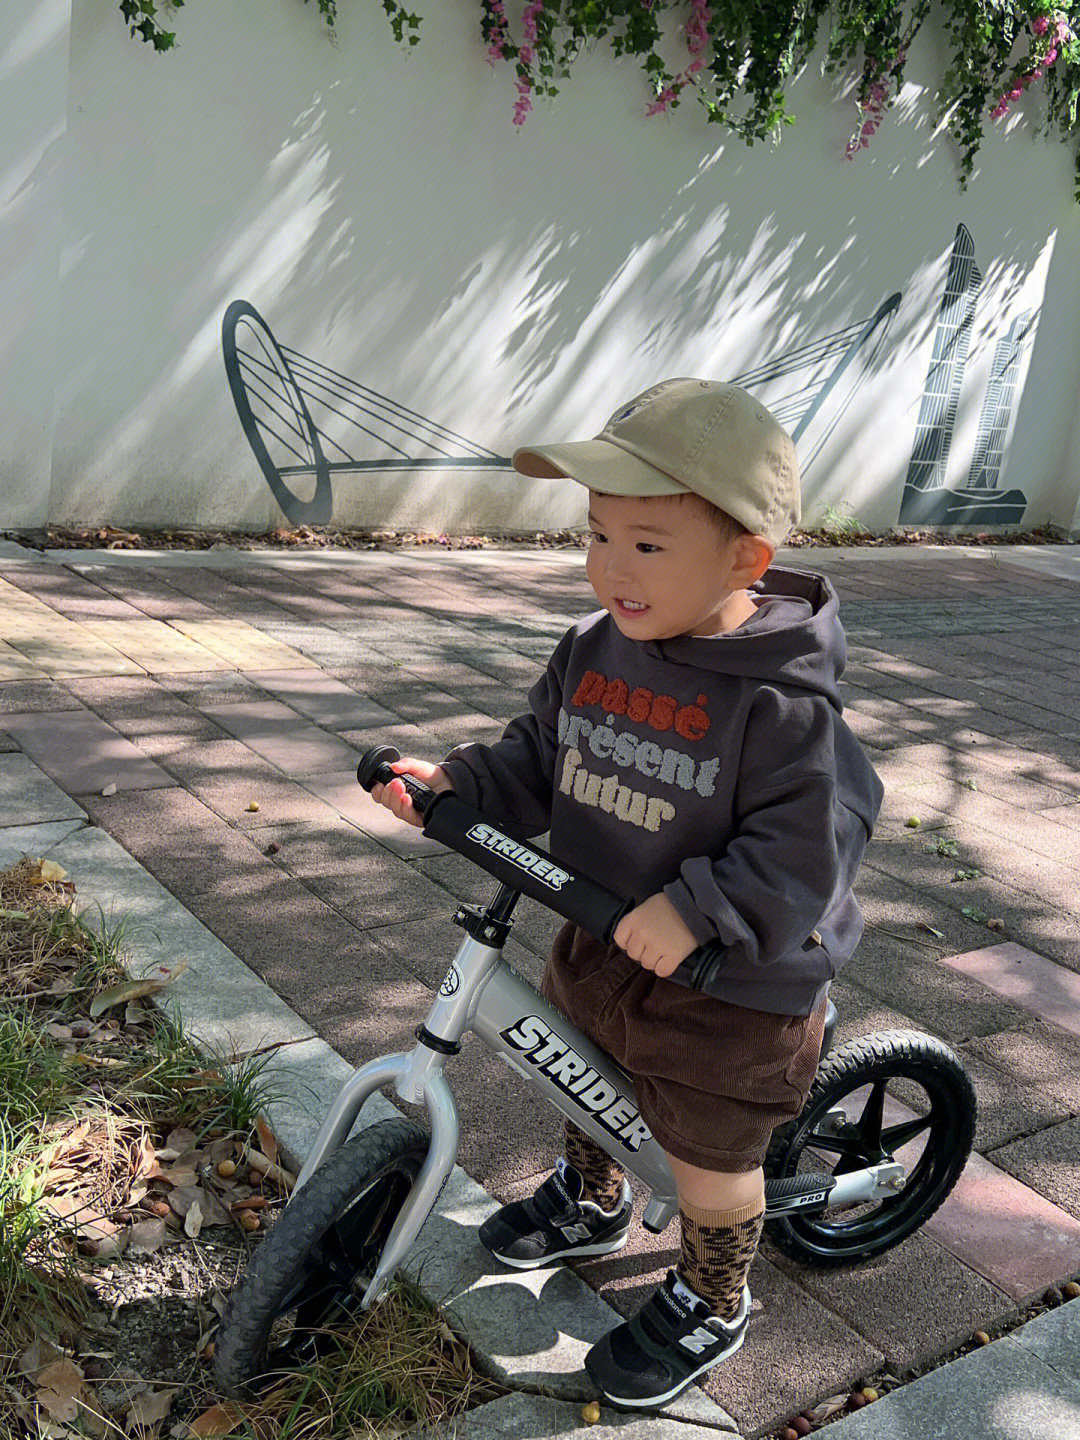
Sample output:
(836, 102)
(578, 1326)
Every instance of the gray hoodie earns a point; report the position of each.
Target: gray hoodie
(717, 769)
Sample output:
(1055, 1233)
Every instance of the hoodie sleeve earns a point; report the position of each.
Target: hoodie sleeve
(511, 781)
(775, 910)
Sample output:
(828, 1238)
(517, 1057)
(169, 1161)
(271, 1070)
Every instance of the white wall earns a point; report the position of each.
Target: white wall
(379, 209)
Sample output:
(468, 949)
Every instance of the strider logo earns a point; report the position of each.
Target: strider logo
(525, 859)
(549, 1054)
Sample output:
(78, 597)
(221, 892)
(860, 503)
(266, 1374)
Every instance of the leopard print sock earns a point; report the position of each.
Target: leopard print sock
(717, 1248)
(603, 1177)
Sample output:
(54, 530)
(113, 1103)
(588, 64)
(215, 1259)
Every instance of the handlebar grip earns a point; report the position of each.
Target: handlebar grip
(525, 867)
(374, 769)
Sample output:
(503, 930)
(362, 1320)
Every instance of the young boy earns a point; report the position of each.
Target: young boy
(686, 749)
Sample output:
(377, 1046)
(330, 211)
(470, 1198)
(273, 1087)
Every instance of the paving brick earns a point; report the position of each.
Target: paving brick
(70, 594)
(28, 795)
(535, 925)
(295, 746)
(1048, 1162)
(361, 879)
(41, 696)
(241, 644)
(910, 979)
(7, 744)
(14, 665)
(1041, 987)
(1006, 1232)
(913, 1303)
(145, 588)
(82, 753)
(209, 689)
(342, 793)
(227, 777)
(156, 646)
(1036, 1054)
(323, 699)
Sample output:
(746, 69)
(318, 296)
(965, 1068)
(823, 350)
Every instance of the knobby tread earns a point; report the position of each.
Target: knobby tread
(858, 1062)
(240, 1351)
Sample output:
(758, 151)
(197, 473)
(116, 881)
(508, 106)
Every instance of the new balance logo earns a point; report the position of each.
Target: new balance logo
(574, 1233)
(699, 1340)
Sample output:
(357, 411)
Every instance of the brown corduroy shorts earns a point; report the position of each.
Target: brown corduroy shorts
(712, 1080)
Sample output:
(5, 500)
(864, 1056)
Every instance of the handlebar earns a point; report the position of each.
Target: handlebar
(526, 868)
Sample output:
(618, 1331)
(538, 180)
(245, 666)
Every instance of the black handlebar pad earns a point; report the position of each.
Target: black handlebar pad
(524, 867)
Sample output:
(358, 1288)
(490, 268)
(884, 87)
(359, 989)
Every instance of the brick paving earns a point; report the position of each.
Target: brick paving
(199, 685)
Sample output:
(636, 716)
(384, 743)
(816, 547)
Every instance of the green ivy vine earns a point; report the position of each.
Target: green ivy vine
(741, 55)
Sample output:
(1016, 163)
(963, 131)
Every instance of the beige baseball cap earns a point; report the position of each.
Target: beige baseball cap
(699, 435)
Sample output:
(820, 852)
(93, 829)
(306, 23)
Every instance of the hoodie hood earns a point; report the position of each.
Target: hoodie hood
(795, 639)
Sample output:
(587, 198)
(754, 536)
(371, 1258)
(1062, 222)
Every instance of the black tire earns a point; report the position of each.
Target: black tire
(307, 1272)
(859, 1078)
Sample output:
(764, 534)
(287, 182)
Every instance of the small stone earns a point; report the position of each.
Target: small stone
(981, 1337)
(253, 805)
(1053, 1296)
(913, 822)
(1071, 1290)
(801, 1425)
(110, 789)
(225, 1168)
(995, 924)
(789, 1433)
(590, 1413)
(273, 848)
(869, 1394)
(858, 1400)
(248, 1220)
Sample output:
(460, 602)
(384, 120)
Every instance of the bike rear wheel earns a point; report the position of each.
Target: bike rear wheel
(896, 1095)
(313, 1266)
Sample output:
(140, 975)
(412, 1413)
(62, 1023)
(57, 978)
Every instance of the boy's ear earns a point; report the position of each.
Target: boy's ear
(753, 556)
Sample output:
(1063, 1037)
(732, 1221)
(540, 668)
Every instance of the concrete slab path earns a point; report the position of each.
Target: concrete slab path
(236, 824)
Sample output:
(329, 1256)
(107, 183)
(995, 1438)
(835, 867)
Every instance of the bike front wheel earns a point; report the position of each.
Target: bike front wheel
(896, 1095)
(313, 1266)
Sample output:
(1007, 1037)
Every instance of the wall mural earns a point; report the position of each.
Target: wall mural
(925, 500)
(305, 421)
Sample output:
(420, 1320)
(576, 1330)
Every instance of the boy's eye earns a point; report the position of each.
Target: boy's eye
(647, 549)
(600, 539)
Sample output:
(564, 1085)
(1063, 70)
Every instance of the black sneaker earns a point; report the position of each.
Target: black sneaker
(672, 1340)
(556, 1224)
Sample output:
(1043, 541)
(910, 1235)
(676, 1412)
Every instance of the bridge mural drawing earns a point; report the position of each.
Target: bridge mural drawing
(308, 424)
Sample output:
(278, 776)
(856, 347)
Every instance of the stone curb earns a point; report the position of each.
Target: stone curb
(531, 1329)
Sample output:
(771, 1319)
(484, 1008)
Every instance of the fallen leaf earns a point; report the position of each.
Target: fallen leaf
(147, 1410)
(132, 990)
(828, 1408)
(61, 1390)
(940, 934)
(218, 1420)
(180, 1140)
(193, 1220)
(58, 1032)
(211, 1209)
(146, 1236)
(14, 915)
(267, 1139)
(47, 873)
(37, 1355)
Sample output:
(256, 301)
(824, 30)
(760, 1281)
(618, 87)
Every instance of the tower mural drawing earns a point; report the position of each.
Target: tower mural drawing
(926, 500)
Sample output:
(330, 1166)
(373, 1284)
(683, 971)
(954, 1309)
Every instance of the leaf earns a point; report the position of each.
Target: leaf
(37, 1355)
(924, 925)
(218, 1420)
(969, 784)
(61, 1389)
(14, 915)
(132, 990)
(47, 873)
(968, 874)
(180, 1140)
(973, 913)
(146, 1236)
(193, 1220)
(147, 1410)
(828, 1408)
(267, 1138)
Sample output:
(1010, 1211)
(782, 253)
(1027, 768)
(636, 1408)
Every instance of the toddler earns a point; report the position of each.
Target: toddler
(685, 748)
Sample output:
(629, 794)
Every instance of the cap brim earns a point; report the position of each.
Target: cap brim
(597, 464)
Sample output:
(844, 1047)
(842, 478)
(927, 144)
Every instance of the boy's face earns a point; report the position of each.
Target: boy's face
(661, 567)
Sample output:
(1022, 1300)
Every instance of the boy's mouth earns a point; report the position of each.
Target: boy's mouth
(630, 607)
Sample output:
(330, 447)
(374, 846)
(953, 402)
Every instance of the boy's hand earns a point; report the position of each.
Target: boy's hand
(655, 935)
(397, 799)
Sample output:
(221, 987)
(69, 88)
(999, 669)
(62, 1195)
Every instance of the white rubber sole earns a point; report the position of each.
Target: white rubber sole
(575, 1252)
